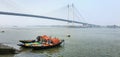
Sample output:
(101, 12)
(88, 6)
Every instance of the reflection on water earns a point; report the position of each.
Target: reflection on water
(52, 52)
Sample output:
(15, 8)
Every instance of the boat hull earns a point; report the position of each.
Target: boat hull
(41, 47)
(46, 47)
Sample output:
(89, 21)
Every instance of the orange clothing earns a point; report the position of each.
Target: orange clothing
(55, 40)
(45, 37)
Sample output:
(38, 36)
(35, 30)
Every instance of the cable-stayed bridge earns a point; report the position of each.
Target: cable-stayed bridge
(49, 18)
(44, 17)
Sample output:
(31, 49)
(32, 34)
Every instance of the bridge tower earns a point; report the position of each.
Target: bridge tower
(71, 15)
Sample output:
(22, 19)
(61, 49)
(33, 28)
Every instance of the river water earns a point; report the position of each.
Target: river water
(84, 42)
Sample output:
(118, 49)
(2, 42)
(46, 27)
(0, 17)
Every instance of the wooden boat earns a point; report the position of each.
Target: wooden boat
(26, 41)
(46, 47)
(39, 46)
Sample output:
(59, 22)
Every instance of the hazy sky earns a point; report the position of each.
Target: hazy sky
(101, 12)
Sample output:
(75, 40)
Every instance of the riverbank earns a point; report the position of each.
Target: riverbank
(5, 49)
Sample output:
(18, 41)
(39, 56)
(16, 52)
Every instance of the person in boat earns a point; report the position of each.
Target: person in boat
(55, 41)
(39, 39)
(49, 41)
(46, 39)
(42, 39)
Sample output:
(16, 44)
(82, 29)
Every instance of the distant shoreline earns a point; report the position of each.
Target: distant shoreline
(61, 26)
